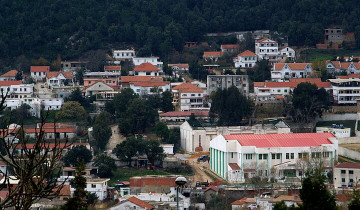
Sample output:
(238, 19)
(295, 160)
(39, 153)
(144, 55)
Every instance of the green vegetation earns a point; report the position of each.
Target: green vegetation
(346, 123)
(78, 154)
(311, 55)
(343, 159)
(124, 174)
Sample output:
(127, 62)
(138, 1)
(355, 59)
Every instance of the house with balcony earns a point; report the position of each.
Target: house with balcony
(188, 96)
(109, 78)
(72, 65)
(285, 71)
(237, 158)
(149, 88)
(38, 73)
(123, 54)
(15, 89)
(229, 48)
(57, 78)
(346, 175)
(338, 67)
(288, 52)
(146, 69)
(212, 56)
(97, 88)
(345, 91)
(153, 60)
(246, 59)
(215, 82)
(267, 49)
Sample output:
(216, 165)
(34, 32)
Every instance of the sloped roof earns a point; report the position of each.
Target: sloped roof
(112, 68)
(9, 83)
(98, 83)
(259, 84)
(265, 39)
(213, 53)
(212, 188)
(287, 198)
(140, 203)
(11, 73)
(282, 140)
(140, 78)
(51, 130)
(348, 165)
(247, 53)
(229, 46)
(354, 75)
(188, 88)
(292, 84)
(243, 201)
(234, 166)
(146, 67)
(39, 68)
(292, 66)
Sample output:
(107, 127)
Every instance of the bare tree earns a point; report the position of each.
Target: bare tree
(32, 173)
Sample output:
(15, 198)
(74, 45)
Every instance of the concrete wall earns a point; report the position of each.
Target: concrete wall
(349, 153)
(349, 140)
(335, 117)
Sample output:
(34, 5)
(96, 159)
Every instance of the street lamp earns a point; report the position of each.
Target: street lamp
(180, 181)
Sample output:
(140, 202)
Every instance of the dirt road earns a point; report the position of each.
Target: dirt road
(199, 168)
(115, 139)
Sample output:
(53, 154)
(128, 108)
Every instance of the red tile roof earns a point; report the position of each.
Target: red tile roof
(112, 68)
(212, 188)
(185, 113)
(311, 80)
(243, 201)
(9, 83)
(213, 53)
(146, 67)
(247, 53)
(348, 165)
(150, 84)
(259, 84)
(153, 180)
(343, 197)
(292, 66)
(354, 75)
(282, 140)
(57, 125)
(229, 46)
(11, 73)
(40, 69)
(188, 88)
(234, 166)
(264, 39)
(140, 203)
(51, 130)
(125, 79)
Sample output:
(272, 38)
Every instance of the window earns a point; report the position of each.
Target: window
(278, 90)
(351, 180)
(248, 156)
(351, 172)
(265, 156)
(285, 91)
(343, 171)
(273, 156)
(278, 156)
(315, 155)
(292, 155)
(287, 155)
(93, 185)
(343, 180)
(326, 154)
(232, 155)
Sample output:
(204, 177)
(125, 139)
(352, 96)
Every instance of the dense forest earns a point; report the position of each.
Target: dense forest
(69, 28)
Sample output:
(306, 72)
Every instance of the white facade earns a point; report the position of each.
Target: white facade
(246, 59)
(285, 71)
(191, 101)
(193, 139)
(153, 60)
(266, 47)
(288, 52)
(123, 54)
(168, 148)
(37, 76)
(151, 88)
(345, 91)
(269, 156)
(18, 91)
(97, 186)
(147, 73)
(338, 132)
(346, 175)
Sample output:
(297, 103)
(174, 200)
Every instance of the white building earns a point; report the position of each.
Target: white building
(345, 91)
(150, 88)
(15, 89)
(146, 69)
(168, 148)
(123, 54)
(338, 130)
(267, 49)
(238, 157)
(132, 203)
(285, 71)
(56, 78)
(197, 139)
(246, 59)
(97, 186)
(288, 52)
(9, 76)
(241, 82)
(229, 48)
(338, 66)
(346, 175)
(38, 73)
(273, 91)
(153, 60)
(188, 96)
(97, 88)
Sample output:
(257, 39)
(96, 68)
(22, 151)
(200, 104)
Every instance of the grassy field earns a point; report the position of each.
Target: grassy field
(310, 55)
(346, 123)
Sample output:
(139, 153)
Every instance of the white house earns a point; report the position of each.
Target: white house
(96, 88)
(146, 69)
(179, 68)
(285, 71)
(38, 73)
(188, 96)
(338, 130)
(346, 175)
(288, 52)
(212, 55)
(246, 59)
(338, 66)
(150, 88)
(56, 78)
(229, 48)
(98, 186)
(15, 89)
(132, 203)
(123, 54)
(271, 91)
(197, 139)
(345, 91)
(9, 76)
(267, 49)
(153, 60)
(238, 157)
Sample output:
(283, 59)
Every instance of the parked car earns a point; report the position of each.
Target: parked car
(203, 158)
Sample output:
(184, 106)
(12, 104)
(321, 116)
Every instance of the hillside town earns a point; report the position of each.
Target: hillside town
(237, 128)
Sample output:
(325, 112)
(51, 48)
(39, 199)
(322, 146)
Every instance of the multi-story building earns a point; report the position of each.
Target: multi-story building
(197, 139)
(146, 69)
(345, 91)
(272, 91)
(123, 54)
(153, 60)
(285, 71)
(149, 88)
(246, 59)
(56, 78)
(38, 73)
(238, 157)
(288, 52)
(126, 80)
(9, 76)
(109, 78)
(267, 49)
(188, 96)
(179, 68)
(72, 65)
(346, 175)
(338, 130)
(15, 89)
(215, 82)
(334, 35)
(338, 66)
(113, 69)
